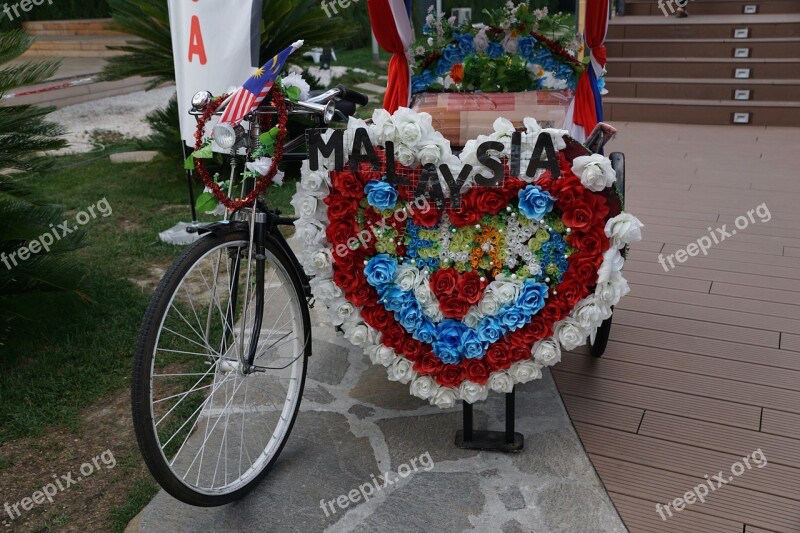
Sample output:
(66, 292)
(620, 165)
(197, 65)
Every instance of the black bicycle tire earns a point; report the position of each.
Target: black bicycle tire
(140, 387)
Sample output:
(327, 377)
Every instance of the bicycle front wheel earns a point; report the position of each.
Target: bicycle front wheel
(209, 429)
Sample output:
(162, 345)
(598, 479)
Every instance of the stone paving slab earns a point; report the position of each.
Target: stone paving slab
(355, 425)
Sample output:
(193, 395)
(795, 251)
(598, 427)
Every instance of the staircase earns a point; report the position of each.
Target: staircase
(729, 62)
(73, 38)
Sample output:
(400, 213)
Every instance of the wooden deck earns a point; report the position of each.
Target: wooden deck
(703, 365)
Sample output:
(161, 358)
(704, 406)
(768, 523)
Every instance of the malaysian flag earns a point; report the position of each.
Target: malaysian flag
(257, 87)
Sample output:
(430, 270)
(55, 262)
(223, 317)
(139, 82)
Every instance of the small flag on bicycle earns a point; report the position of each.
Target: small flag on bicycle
(255, 89)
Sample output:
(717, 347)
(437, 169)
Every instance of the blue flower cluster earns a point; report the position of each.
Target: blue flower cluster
(535, 203)
(381, 195)
(451, 339)
(553, 253)
(413, 243)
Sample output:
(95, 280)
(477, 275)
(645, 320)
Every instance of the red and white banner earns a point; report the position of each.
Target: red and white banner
(392, 27)
(215, 45)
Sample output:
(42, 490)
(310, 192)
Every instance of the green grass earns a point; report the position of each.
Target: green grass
(76, 352)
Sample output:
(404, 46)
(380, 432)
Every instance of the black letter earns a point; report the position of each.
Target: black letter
(491, 163)
(391, 175)
(361, 142)
(316, 146)
(516, 153)
(544, 143)
(455, 185)
(429, 185)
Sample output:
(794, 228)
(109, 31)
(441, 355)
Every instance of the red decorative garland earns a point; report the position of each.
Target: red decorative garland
(263, 181)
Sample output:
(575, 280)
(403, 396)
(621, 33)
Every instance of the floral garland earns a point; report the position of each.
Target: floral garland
(508, 55)
(460, 301)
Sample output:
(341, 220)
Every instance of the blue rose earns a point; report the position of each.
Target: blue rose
(420, 82)
(381, 195)
(473, 346)
(490, 330)
(393, 297)
(426, 332)
(495, 50)
(535, 203)
(525, 46)
(410, 315)
(453, 54)
(513, 318)
(380, 270)
(449, 332)
(447, 355)
(465, 43)
(443, 67)
(532, 297)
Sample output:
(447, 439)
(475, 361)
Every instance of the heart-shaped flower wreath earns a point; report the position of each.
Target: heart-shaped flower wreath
(475, 293)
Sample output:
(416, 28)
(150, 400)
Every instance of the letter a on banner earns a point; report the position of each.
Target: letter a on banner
(215, 45)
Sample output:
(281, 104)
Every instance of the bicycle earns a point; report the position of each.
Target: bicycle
(221, 359)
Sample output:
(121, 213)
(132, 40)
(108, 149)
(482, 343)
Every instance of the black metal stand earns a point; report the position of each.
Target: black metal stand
(507, 441)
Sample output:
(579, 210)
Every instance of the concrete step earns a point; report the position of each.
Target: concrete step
(84, 92)
(42, 28)
(720, 89)
(720, 112)
(705, 27)
(76, 46)
(703, 68)
(788, 47)
(713, 7)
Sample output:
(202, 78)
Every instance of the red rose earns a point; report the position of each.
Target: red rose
(393, 336)
(541, 328)
(520, 354)
(340, 207)
(377, 317)
(490, 201)
(341, 230)
(347, 184)
(346, 279)
(497, 355)
(593, 241)
(554, 310)
(470, 287)
(523, 337)
(412, 348)
(579, 217)
(428, 365)
(453, 306)
(568, 190)
(571, 293)
(584, 267)
(427, 218)
(467, 213)
(476, 370)
(443, 282)
(363, 295)
(511, 187)
(450, 376)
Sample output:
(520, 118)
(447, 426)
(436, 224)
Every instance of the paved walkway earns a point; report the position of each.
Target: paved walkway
(703, 366)
(355, 424)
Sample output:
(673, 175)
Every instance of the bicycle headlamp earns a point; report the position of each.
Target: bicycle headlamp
(224, 136)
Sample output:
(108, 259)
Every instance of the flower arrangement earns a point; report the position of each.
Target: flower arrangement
(507, 55)
(458, 300)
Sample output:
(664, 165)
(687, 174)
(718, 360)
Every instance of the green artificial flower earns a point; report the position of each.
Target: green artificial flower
(542, 235)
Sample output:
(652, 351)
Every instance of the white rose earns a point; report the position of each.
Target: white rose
(424, 387)
(383, 125)
(423, 294)
(473, 317)
(502, 128)
(444, 398)
(489, 305)
(296, 80)
(341, 311)
(501, 382)
(469, 155)
(358, 334)
(401, 370)
(570, 334)
(472, 392)
(319, 263)
(532, 126)
(405, 155)
(612, 290)
(590, 312)
(432, 311)
(525, 371)
(612, 262)
(307, 205)
(325, 289)
(547, 353)
(431, 154)
(381, 355)
(557, 136)
(505, 291)
(624, 229)
(315, 181)
(412, 127)
(310, 231)
(407, 276)
(595, 171)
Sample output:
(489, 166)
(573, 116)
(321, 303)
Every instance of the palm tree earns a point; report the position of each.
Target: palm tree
(24, 136)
